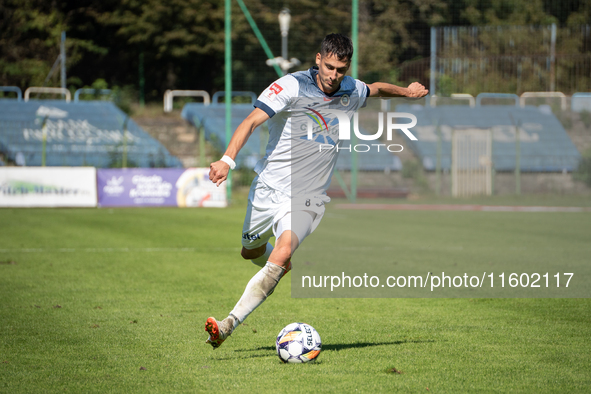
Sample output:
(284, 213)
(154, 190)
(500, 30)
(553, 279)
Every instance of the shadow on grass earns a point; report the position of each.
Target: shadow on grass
(249, 355)
(269, 351)
(343, 346)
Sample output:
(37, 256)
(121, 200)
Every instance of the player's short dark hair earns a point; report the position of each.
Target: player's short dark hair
(338, 45)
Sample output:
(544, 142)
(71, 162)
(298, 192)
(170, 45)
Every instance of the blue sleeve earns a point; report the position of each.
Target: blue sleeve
(262, 106)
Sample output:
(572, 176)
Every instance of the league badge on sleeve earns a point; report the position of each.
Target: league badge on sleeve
(273, 91)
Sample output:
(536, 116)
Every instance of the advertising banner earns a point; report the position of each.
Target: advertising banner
(158, 187)
(48, 187)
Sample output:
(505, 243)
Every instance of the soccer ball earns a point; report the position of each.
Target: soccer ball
(298, 343)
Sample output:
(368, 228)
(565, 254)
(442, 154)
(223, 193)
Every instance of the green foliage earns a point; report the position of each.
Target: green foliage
(183, 41)
(158, 160)
(446, 86)
(512, 59)
(586, 118)
(412, 169)
(583, 173)
(242, 177)
(175, 29)
(124, 97)
(30, 36)
(565, 119)
(99, 84)
(119, 157)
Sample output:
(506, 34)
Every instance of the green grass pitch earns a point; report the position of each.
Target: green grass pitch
(114, 300)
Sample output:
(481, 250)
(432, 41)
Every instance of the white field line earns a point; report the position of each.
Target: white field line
(114, 250)
(450, 207)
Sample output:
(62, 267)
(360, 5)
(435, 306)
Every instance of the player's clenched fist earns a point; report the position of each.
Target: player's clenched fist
(415, 89)
(218, 172)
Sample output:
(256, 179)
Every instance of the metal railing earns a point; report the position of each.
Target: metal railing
(38, 89)
(581, 102)
(15, 89)
(170, 94)
(497, 96)
(560, 95)
(454, 96)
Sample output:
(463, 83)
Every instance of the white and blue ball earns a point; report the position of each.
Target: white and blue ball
(298, 343)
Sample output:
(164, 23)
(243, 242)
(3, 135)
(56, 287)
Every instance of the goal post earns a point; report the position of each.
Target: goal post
(471, 162)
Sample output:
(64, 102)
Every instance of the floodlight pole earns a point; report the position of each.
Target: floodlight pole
(44, 141)
(553, 58)
(124, 156)
(433, 63)
(284, 19)
(63, 59)
(142, 79)
(228, 83)
(261, 39)
(517, 159)
(354, 34)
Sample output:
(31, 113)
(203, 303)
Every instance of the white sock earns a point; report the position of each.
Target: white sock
(261, 261)
(258, 289)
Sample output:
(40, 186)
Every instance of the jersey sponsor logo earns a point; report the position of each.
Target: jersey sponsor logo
(273, 91)
(323, 125)
(251, 237)
(276, 88)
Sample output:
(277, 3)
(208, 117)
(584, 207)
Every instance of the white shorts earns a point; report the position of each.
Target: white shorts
(270, 212)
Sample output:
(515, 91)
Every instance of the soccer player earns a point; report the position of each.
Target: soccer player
(287, 198)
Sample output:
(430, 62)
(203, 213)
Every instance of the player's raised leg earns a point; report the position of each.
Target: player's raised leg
(264, 282)
(259, 256)
(260, 286)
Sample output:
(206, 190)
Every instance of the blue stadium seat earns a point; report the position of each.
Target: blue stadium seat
(88, 133)
(212, 118)
(544, 144)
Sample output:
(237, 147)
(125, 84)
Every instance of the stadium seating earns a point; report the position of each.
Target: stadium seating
(544, 144)
(581, 102)
(88, 133)
(212, 119)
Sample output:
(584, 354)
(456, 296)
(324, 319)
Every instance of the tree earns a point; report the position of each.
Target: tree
(30, 35)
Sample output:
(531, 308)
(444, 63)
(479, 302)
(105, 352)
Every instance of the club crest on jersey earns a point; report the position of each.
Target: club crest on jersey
(345, 100)
(273, 91)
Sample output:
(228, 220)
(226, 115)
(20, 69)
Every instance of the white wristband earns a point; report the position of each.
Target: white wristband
(228, 160)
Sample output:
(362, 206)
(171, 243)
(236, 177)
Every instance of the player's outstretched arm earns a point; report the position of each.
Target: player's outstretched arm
(218, 171)
(382, 89)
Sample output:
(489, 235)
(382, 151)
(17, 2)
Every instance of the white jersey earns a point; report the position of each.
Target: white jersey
(293, 163)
